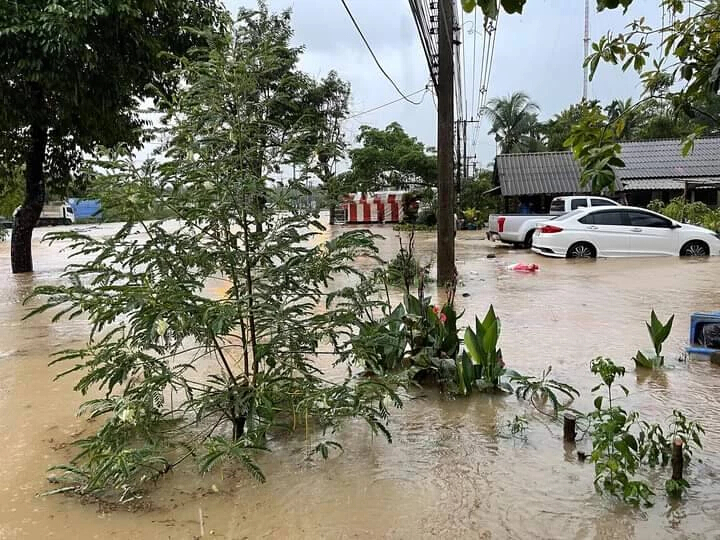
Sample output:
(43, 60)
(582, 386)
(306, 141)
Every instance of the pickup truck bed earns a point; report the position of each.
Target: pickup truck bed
(515, 229)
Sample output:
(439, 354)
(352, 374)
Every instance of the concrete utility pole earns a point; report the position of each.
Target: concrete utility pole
(446, 186)
(586, 43)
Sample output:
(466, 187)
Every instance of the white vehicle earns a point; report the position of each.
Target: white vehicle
(519, 228)
(55, 213)
(624, 231)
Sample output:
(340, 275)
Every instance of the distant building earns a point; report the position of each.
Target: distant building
(653, 170)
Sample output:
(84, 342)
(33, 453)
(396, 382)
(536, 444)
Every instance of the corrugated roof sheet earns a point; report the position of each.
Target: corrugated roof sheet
(657, 162)
(664, 159)
(653, 183)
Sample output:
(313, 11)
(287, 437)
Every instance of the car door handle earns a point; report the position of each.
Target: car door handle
(636, 229)
(593, 228)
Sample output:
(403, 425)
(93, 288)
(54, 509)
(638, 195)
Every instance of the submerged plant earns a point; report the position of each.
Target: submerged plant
(658, 332)
(622, 443)
(540, 390)
(205, 329)
(481, 365)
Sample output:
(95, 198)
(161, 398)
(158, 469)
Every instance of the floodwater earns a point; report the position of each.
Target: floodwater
(451, 471)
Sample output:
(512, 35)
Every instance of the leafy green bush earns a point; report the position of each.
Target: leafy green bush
(622, 443)
(205, 331)
(696, 213)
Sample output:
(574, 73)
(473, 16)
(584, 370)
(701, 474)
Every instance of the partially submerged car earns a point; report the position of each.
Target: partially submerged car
(622, 231)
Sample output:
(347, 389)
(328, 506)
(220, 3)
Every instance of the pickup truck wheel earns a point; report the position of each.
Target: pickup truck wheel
(529, 239)
(581, 250)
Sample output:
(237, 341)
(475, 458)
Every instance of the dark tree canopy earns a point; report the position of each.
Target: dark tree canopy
(72, 76)
(390, 158)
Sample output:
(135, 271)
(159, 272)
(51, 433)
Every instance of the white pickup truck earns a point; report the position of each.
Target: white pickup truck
(518, 229)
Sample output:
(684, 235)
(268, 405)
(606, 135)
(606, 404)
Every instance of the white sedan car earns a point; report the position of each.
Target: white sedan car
(621, 231)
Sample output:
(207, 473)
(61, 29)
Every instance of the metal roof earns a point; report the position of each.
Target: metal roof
(664, 159)
(655, 164)
(554, 173)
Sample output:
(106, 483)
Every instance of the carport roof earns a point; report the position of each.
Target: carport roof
(655, 164)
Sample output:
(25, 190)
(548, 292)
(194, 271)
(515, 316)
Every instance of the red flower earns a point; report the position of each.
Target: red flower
(443, 318)
(436, 310)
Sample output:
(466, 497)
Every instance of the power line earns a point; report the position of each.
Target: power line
(472, 95)
(426, 89)
(372, 53)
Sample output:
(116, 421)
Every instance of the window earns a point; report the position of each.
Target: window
(642, 219)
(601, 202)
(557, 205)
(603, 218)
(577, 203)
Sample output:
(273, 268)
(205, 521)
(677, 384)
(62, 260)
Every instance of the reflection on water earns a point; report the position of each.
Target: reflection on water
(447, 474)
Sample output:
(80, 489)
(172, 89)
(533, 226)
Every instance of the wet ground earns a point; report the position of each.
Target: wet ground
(449, 473)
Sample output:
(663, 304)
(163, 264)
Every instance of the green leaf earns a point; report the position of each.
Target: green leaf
(598, 402)
(473, 347)
(489, 8)
(513, 6)
(469, 5)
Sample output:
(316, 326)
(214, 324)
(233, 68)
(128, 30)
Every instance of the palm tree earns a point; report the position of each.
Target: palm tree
(628, 116)
(514, 123)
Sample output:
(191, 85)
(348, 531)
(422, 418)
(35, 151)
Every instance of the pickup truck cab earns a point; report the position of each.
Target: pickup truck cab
(518, 229)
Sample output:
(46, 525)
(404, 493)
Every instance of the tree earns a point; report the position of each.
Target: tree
(71, 76)
(187, 371)
(390, 158)
(686, 76)
(514, 122)
(326, 145)
(557, 129)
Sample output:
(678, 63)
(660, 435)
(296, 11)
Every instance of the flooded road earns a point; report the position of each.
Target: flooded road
(450, 472)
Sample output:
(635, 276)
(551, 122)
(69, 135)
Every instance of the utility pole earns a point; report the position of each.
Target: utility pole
(446, 186)
(586, 42)
(459, 159)
(465, 156)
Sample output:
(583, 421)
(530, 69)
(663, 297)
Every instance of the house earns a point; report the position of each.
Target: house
(653, 170)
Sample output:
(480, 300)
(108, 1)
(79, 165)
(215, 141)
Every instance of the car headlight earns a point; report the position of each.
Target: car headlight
(716, 235)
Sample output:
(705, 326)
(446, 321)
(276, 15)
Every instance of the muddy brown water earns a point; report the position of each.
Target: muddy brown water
(450, 472)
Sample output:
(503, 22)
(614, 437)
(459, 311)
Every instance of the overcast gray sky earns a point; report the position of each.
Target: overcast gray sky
(539, 52)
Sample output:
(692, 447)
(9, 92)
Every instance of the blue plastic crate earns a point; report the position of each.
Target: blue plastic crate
(699, 327)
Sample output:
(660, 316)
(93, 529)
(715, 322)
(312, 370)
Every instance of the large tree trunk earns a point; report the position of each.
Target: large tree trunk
(29, 213)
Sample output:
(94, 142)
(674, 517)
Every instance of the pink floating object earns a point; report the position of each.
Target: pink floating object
(522, 267)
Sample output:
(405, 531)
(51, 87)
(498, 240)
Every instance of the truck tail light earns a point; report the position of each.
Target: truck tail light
(501, 224)
(549, 229)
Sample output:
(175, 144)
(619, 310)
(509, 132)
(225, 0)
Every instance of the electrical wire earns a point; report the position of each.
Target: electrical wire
(372, 53)
(426, 89)
(472, 95)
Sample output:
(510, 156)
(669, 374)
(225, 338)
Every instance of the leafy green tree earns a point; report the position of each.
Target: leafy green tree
(474, 196)
(390, 158)
(205, 336)
(557, 129)
(686, 76)
(71, 76)
(328, 105)
(514, 123)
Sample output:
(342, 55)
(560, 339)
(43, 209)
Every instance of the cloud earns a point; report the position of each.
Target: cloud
(539, 52)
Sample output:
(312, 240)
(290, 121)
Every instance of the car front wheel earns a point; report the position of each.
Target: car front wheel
(581, 250)
(695, 249)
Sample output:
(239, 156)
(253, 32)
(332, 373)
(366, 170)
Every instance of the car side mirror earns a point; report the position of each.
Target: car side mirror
(675, 226)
